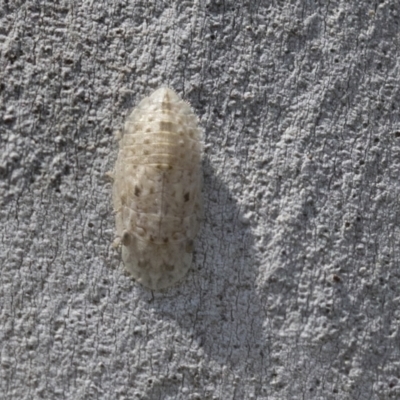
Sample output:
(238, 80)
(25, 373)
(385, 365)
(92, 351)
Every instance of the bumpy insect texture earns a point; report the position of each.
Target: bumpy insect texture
(157, 189)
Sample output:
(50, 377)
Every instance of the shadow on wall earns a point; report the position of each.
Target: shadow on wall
(216, 306)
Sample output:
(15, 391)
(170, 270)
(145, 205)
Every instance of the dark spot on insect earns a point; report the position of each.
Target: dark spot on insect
(169, 267)
(336, 278)
(126, 238)
(165, 240)
(151, 238)
(166, 125)
(137, 191)
(186, 197)
(189, 246)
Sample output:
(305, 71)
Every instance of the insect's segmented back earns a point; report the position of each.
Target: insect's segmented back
(157, 189)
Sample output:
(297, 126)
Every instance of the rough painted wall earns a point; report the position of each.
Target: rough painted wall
(294, 292)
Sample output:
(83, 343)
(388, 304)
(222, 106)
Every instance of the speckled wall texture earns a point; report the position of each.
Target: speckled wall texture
(294, 290)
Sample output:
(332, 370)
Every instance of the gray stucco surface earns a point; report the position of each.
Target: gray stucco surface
(294, 292)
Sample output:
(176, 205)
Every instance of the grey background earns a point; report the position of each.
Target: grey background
(294, 292)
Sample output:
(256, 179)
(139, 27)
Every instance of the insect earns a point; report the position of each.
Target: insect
(157, 189)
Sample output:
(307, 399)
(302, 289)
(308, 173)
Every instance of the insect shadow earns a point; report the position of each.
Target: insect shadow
(216, 306)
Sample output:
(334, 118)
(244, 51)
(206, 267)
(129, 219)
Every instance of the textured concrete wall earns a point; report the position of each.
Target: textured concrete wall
(294, 292)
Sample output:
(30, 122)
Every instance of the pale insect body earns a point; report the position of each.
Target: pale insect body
(157, 189)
